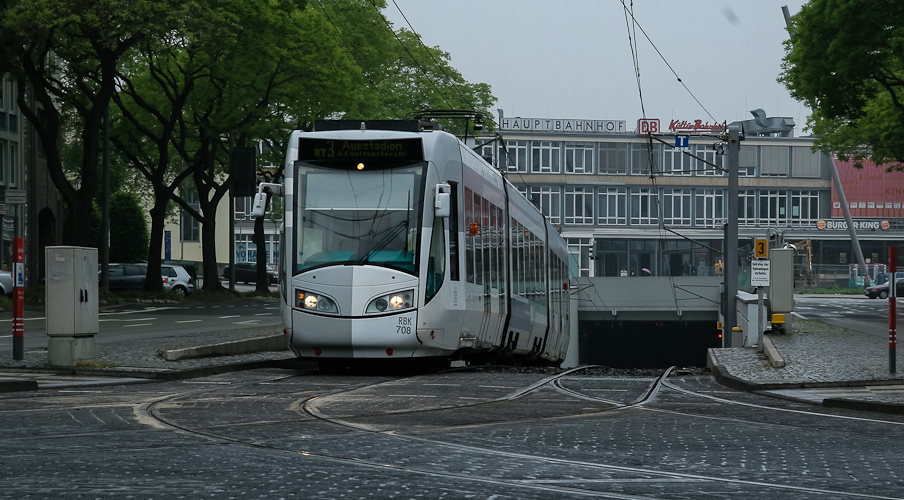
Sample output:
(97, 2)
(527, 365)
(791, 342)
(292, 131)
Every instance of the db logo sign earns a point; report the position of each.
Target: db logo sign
(648, 126)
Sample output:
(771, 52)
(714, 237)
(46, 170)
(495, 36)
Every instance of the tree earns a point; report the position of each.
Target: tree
(128, 228)
(67, 52)
(845, 60)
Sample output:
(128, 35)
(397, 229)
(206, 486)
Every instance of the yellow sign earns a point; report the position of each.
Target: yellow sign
(761, 248)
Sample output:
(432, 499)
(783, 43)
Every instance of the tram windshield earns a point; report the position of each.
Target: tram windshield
(352, 217)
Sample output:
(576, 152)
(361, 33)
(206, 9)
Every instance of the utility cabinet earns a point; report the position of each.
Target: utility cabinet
(71, 303)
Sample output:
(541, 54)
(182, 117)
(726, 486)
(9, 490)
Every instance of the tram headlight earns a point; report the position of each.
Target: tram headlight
(315, 302)
(398, 301)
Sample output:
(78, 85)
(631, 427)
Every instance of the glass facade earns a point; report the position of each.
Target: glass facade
(607, 184)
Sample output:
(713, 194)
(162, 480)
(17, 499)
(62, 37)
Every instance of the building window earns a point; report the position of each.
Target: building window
(190, 227)
(707, 153)
(747, 207)
(3, 162)
(773, 208)
(676, 207)
(611, 257)
(676, 162)
(578, 158)
(516, 157)
(642, 157)
(710, 208)
(613, 158)
(242, 207)
(550, 198)
(775, 161)
(612, 206)
(545, 156)
(488, 153)
(804, 208)
(747, 161)
(578, 205)
(13, 165)
(579, 256)
(643, 207)
(642, 258)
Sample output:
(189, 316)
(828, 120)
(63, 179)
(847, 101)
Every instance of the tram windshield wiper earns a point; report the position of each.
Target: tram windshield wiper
(383, 242)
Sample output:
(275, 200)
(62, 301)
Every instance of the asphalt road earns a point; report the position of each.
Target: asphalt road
(467, 434)
(855, 313)
(140, 321)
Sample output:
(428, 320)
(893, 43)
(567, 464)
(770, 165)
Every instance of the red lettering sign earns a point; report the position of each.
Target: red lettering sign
(648, 126)
(696, 126)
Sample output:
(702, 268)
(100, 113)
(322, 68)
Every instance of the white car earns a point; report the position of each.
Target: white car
(177, 279)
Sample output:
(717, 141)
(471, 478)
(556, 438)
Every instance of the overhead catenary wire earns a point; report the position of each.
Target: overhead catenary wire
(630, 12)
(413, 59)
(430, 53)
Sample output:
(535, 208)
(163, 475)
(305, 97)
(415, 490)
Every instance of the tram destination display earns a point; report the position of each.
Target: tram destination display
(314, 149)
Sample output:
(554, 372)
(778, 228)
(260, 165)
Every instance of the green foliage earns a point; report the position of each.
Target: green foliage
(128, 228)
(845, 60)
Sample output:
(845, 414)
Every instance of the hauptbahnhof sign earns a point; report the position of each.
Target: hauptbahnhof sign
(563, 126)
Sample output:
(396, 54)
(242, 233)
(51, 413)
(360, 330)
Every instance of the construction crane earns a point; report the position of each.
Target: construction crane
(803, 260)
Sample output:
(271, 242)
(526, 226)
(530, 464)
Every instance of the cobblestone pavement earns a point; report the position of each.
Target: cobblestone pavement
(823, 361)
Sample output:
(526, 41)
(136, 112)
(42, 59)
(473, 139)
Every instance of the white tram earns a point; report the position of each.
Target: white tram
(407, 244)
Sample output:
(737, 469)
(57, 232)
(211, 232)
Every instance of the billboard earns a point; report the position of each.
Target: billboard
(870, 191)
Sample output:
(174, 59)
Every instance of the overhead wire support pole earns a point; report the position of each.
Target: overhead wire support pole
(733, 136)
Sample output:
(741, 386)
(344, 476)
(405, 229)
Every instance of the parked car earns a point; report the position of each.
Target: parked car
(177, 279)
(881, 291)
(126, 276)
(6, 282)
(246, 272)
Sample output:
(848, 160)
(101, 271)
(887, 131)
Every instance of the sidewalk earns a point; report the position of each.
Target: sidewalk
(825, 364)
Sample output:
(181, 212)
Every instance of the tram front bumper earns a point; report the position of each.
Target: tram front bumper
(392, 336)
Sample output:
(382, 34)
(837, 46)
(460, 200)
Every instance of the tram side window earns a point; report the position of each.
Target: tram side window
(469, 235)
(499, 249)
(436, 260)
(486, 238)
(479, 235)
(453, 235)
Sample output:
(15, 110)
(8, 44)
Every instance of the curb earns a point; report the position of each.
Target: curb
(158, 376)
(278, 342)
(876, 406)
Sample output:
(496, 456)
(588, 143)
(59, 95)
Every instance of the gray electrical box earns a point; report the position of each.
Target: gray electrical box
(71, 304)
(781, 280)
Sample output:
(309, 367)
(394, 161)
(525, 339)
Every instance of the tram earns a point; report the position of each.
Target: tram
(405, 244)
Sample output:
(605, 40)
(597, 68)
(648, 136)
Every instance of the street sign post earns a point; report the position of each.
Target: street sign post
(759, 277)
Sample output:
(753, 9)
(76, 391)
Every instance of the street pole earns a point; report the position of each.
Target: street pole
(105, 209)
(730, 274)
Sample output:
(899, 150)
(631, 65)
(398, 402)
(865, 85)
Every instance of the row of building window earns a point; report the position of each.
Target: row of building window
(584, 205)
(9, 163)
(618, 158)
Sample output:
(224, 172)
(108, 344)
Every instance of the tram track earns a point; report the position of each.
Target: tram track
(574, 487)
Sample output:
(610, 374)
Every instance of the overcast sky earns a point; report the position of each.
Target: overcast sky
(572, 58)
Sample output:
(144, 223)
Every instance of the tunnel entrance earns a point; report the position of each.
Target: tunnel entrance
(646, 344)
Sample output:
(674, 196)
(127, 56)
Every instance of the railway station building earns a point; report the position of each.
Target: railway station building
(631, 201)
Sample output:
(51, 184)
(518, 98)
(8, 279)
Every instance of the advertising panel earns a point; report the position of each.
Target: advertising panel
(870, 191)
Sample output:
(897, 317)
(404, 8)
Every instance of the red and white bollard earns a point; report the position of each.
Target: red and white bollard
(18, 299)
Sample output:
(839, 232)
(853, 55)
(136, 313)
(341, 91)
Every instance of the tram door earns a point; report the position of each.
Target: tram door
(489, 268)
